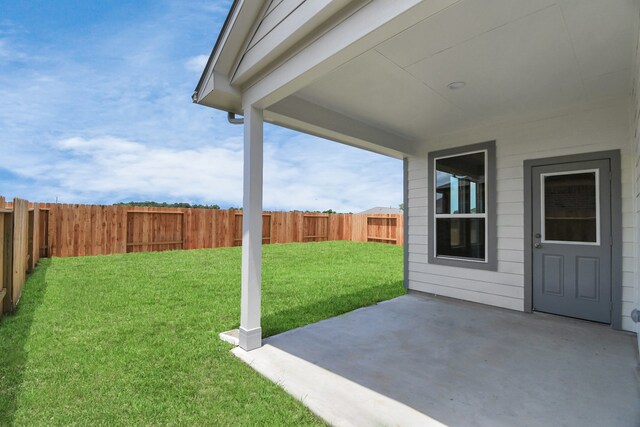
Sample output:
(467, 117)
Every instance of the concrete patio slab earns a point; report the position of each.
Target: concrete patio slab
(420, 360)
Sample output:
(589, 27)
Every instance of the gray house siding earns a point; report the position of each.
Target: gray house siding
(277, 12)
(637, 245)
(283, 25)
(635, 134)
(596, 127)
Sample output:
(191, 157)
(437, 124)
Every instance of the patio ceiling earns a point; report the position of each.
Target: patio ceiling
(515, 56)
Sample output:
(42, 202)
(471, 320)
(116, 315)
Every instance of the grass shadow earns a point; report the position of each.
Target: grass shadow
(296, 316)
(15, 329)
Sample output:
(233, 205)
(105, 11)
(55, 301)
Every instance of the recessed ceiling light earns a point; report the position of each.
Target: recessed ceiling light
(456, 85)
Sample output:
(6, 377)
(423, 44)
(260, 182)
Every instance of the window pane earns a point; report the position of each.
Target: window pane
(570, 207)
(462, 237)
(460, 184)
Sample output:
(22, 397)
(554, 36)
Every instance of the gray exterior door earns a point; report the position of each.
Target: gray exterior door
(571, 218)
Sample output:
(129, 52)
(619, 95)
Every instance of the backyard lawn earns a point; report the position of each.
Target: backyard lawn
(133, 339)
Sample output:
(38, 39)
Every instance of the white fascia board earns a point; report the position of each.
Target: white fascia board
(219, 94)
(304, 116)
(214, 88)
(240, 32)
(367, 27)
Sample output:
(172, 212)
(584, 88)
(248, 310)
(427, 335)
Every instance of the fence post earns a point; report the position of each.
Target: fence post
(3, 290)
(30, 238)
(20, 249)
(7, 261)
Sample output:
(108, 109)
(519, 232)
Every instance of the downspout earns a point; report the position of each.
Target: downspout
(231, 117)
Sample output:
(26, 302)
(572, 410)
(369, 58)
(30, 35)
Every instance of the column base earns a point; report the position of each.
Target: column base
(250, 339)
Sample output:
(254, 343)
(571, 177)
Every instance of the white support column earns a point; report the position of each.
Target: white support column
(250, 331)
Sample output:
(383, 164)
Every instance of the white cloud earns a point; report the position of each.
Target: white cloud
(112, 167)
(108, 144)
(110, 119)
(197, 63)
(304, 173)
(4, 48)
(9, 53)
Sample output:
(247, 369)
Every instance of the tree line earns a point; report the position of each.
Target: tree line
(150, 204)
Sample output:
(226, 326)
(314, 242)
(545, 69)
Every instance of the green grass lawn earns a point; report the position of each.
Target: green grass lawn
(133, 339)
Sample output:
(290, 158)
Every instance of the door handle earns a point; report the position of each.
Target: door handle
(537, 245)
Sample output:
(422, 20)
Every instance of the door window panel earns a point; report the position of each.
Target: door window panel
(571, 207)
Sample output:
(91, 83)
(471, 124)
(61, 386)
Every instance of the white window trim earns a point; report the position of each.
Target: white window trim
(542, 208)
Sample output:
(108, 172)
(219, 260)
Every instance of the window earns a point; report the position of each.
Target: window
(462, 213)
(570, 207)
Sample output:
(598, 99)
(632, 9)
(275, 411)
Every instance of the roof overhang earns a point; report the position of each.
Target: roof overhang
(375, 74)
(325, 35)
(214, 88)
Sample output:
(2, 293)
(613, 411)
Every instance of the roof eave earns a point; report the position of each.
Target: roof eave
(213, 88)
(218, 45)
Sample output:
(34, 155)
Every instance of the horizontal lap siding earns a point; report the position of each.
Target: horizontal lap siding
(277, 12)
(601, 127)
(631, 293)
(629, 255)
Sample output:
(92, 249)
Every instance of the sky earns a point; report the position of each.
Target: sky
(95, 107)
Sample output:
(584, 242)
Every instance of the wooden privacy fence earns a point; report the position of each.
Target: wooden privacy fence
(19, 248)
(78, 230)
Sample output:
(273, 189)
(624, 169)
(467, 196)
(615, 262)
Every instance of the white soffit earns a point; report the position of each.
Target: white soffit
(602, 34)
(527, 65)
(454, 25)
(374, 90)
(516, 56)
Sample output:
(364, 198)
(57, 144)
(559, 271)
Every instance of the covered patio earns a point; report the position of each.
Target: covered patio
(422, 360)
(481, 100)
(518, 125)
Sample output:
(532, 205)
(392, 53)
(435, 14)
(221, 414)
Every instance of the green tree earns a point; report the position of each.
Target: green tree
(151, 204)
